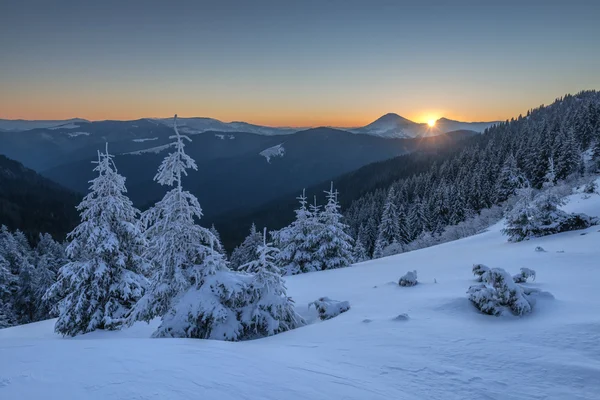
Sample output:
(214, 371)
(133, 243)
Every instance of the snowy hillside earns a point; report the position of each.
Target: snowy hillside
(444, 350)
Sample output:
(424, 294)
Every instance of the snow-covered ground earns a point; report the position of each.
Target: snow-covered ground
(444, 350)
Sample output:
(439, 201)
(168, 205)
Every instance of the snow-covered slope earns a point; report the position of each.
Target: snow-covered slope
(17, 125)
(444, 350)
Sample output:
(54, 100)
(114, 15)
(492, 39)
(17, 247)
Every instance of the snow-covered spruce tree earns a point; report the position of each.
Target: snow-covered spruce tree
(499, 294)
(211, 307)
(103, 278)
(359, 252)
(193, 291)
(218, 245)
(49, 257)
(334, 243)
(389, 230)
(297, 243)
(270, 310)
(510, 179)
(246, 251)
(479, 270)
(7, 317)
(539, 215)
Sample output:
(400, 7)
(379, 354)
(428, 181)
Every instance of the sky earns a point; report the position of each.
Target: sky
(293, 63)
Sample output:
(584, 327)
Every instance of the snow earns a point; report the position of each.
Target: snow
(75, 134)
(65, 126)
(275, 151)
(445, 350)
(142, 140)
(18, 125)
(197, 125)
(154, 150)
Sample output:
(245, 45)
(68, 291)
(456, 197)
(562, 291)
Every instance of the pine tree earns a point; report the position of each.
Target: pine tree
(359, 252)
(509, 181)
(550, 177)
(568, 155)
(218, 245)
(389, 231)
(297, 243)
(270, 311)
(192, 289)
(103, 278)
(246, 251)
(7, 317)
(334, 243)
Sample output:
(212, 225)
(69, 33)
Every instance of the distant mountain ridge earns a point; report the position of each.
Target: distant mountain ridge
(390, 125)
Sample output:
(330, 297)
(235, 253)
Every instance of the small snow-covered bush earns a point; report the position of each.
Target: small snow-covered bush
(479, 270)
(540, 249)
(328, 308)
(525, 274)
(540, 216)
(409, 279)
(499, 294)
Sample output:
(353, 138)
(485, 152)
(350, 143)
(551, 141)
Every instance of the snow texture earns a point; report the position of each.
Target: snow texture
(142, 140)
(271, 152)
(75, 134)
(447, 350)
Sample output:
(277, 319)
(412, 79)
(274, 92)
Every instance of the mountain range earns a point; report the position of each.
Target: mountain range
(241, 165)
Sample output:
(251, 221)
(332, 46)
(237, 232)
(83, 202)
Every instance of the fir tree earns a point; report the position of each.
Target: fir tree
(271, 310)
(297, 243)
(359, 252)
(192, 289)
(334, 243)
(246, 251)
(389, 231)
(509, 181)
(218, 245)
(103, 278)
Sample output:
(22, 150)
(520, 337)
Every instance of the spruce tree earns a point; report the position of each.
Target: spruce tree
(246, 251)
(359, 252)
(192, 289)
(103, 278)
(270, 311)
(334, 243)
(509, 181)
(297, 243)
(389, 231)
(218, 245)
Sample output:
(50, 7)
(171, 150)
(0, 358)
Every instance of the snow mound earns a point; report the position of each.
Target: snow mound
(275, 151)
(328, 308)
(408, 279)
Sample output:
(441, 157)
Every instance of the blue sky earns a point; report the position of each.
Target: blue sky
(293, 63)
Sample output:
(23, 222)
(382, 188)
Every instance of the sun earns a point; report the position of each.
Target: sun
(431, 123)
